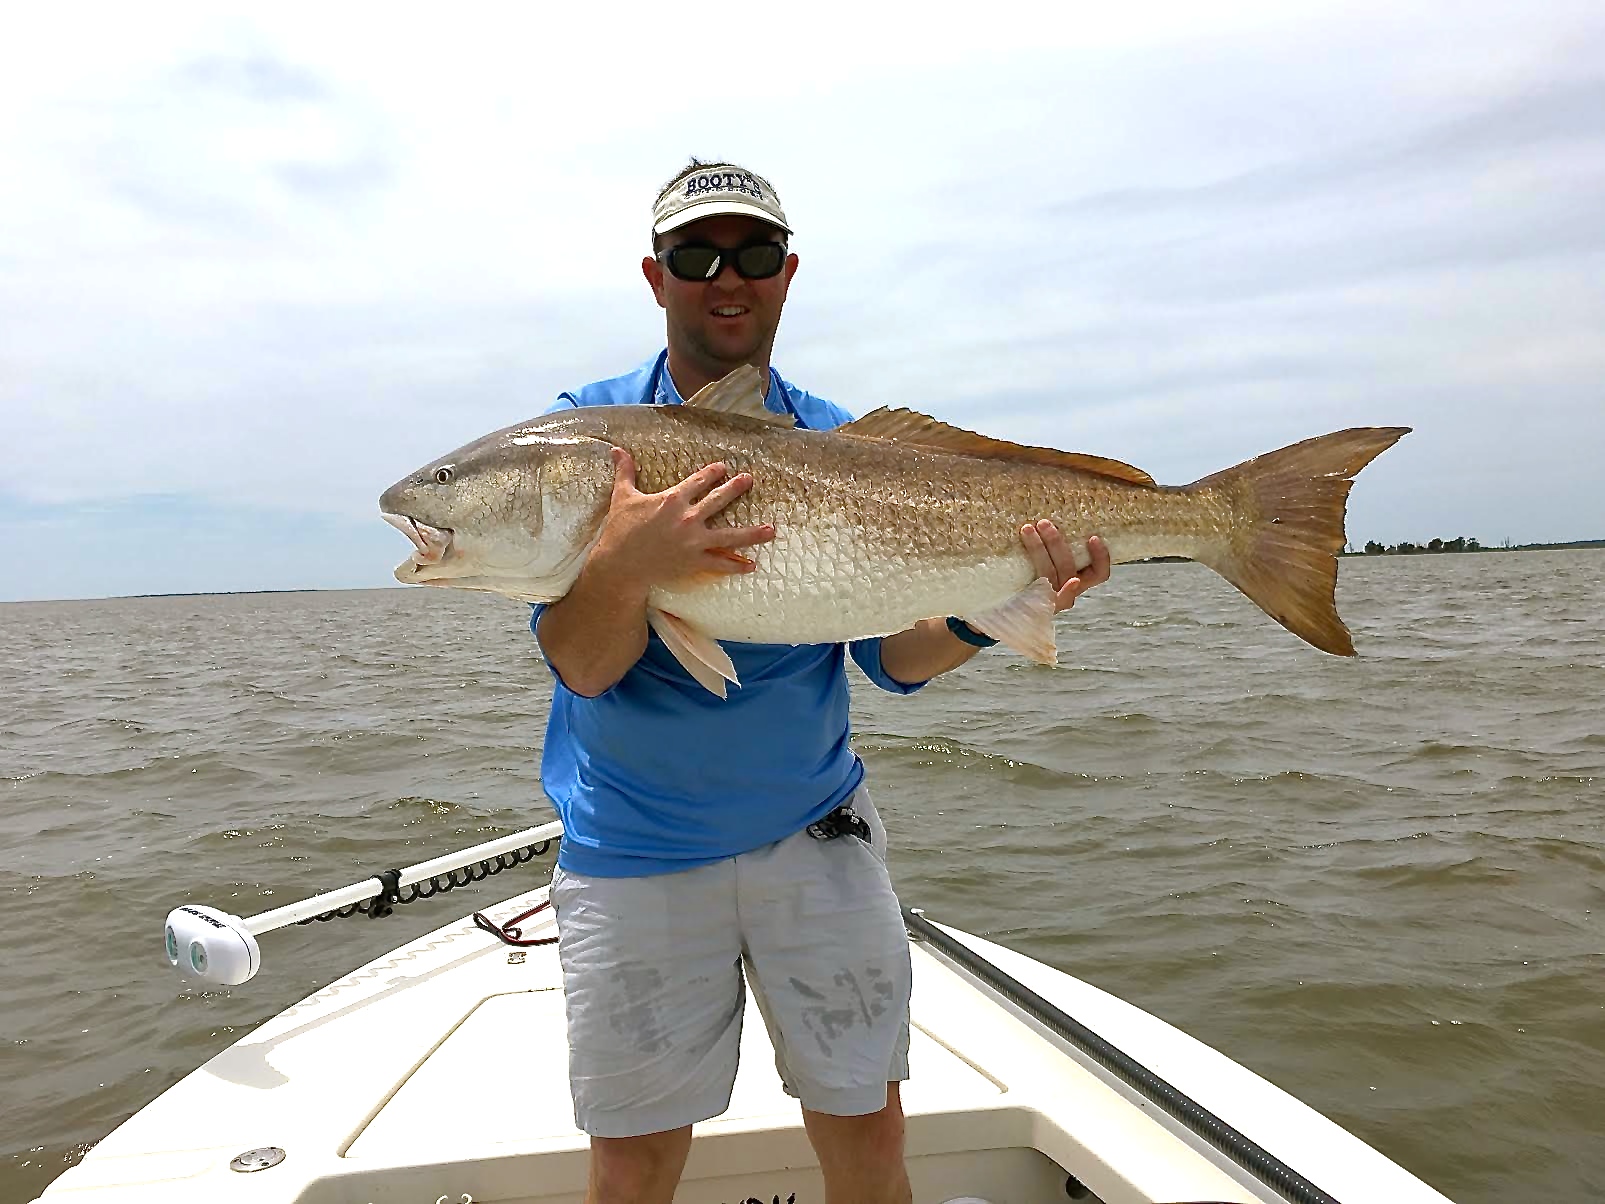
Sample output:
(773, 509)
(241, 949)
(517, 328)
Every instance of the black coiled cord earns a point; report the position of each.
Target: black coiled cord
(391, 895)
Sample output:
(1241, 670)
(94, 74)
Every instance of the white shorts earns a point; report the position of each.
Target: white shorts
(652, 975)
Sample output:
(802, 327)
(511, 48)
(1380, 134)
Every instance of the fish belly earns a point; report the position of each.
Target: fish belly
(819, 586)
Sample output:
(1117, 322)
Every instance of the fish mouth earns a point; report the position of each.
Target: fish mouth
(430, 544)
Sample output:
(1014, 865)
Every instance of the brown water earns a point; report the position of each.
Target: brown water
(1377, 882)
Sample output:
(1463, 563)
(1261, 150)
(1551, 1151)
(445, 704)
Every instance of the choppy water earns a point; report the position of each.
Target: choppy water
(1378, 882)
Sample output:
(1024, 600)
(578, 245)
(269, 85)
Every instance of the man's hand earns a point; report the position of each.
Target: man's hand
(1051, 554)
(664, 538)
(596, 631)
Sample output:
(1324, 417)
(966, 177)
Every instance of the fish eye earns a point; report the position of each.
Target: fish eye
(444, 474)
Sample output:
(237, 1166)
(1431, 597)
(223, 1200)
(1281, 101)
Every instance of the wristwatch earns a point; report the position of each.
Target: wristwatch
(968, 634)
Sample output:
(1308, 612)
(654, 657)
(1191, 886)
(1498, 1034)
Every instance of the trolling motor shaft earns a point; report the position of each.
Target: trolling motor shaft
(213, 946)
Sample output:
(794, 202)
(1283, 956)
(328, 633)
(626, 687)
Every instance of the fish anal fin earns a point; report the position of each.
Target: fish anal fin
(1024, 622)
(1290, 505)
(699, 654)
(738, 392)
(921, 430)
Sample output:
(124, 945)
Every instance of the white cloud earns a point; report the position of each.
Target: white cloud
(274, 258)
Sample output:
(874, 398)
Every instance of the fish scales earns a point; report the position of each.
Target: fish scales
(871, 537)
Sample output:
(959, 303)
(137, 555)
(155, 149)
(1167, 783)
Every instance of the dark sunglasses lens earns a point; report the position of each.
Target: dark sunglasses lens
(693, 263)
(760, 260)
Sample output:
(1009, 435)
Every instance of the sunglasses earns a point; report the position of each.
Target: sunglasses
(704, 261)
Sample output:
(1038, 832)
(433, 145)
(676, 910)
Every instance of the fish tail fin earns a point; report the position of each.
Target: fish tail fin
(1283, 552)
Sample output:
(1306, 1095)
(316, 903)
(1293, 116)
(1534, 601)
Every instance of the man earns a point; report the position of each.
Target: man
(707, 835)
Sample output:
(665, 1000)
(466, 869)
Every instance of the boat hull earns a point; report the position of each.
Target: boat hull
(439, 1072)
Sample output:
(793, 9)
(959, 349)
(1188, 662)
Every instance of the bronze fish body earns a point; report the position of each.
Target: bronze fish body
(890, 519)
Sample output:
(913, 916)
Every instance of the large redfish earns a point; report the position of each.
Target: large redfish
(880, 523)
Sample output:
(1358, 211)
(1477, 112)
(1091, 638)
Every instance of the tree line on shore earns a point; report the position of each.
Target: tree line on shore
(1458, 544)
(1461, 544)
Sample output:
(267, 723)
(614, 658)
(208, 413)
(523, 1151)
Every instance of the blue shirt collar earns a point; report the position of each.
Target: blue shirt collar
(665, 394)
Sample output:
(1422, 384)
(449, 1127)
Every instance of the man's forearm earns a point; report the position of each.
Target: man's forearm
(595, 632)
(926, 650)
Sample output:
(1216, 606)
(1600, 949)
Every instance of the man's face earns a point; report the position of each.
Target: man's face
(728, 321)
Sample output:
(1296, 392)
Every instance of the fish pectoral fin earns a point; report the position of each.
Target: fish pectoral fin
(698, 653)
(913, 428)
(740, 392)
(1024, 623)
(733, 556)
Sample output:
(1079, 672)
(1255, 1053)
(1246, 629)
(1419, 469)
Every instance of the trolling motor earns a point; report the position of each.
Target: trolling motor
(205, 943)
(213, 946)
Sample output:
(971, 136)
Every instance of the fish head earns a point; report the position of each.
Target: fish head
(514, 513)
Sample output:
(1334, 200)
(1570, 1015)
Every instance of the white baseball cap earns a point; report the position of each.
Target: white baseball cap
(712, 189)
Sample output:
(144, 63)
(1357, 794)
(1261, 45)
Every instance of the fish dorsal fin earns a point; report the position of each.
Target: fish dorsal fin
(740, 392)
(910, 426)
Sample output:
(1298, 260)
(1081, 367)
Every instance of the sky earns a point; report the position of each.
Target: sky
(256, 263)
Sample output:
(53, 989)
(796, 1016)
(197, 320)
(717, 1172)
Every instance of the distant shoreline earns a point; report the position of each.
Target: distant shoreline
(1595, 545)
(1423, 550)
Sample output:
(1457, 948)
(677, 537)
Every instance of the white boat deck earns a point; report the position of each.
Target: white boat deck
(440, 1071)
